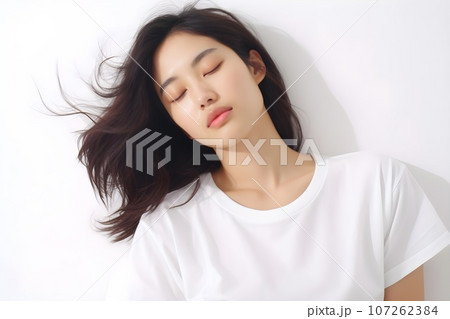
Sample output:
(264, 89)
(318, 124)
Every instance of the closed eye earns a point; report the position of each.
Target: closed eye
(179, 97)
(210, 72)
(213, 70)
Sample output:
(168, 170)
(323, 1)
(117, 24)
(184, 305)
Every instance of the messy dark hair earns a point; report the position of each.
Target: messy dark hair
(135, 105)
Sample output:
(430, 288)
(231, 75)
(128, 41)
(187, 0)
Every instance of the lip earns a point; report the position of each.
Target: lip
(213, 116)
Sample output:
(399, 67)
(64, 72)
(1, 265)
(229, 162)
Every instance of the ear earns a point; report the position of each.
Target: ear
(256, 66)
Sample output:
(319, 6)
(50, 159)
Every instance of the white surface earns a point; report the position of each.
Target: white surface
(378, 79)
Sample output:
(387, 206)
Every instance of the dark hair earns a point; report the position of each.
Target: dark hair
(134, 105)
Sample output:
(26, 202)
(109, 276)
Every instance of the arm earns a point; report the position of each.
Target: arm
(410, 287)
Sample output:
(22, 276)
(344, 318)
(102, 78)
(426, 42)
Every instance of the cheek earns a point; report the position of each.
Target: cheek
(184, 121)
(239, 84)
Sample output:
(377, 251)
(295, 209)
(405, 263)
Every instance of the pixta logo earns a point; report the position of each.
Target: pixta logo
(142, 146)
(308, 147)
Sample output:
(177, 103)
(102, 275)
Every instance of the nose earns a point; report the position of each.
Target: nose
(205, 96)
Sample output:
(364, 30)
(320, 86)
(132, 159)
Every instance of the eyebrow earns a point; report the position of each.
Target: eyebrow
(194, 62)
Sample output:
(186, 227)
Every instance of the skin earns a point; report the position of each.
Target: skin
(411, 287)
(232, 84)
(220, 78)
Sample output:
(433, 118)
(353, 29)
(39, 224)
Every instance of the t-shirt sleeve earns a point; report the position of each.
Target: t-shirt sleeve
(415, 232)
(146, 271)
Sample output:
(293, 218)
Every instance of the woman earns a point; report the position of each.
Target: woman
(264, 222)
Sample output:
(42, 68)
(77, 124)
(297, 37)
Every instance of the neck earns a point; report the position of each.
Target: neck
(261, 156)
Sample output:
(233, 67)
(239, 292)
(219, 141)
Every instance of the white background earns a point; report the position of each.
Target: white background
(376, 76)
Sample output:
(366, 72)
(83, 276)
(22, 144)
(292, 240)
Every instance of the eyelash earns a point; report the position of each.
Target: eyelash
(179, 97)
(213, 70)
(210, 72)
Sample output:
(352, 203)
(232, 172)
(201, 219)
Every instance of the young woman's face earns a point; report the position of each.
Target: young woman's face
(206, 88)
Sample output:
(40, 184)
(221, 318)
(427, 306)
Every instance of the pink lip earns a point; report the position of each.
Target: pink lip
(217, 116)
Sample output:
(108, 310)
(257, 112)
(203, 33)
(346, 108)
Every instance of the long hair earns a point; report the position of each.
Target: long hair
(134, 105)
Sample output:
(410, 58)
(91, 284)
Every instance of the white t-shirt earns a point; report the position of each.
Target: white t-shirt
(362, 224)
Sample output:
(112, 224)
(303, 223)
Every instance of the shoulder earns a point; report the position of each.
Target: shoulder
(367, 164)
(176, 205)
(365, 159)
